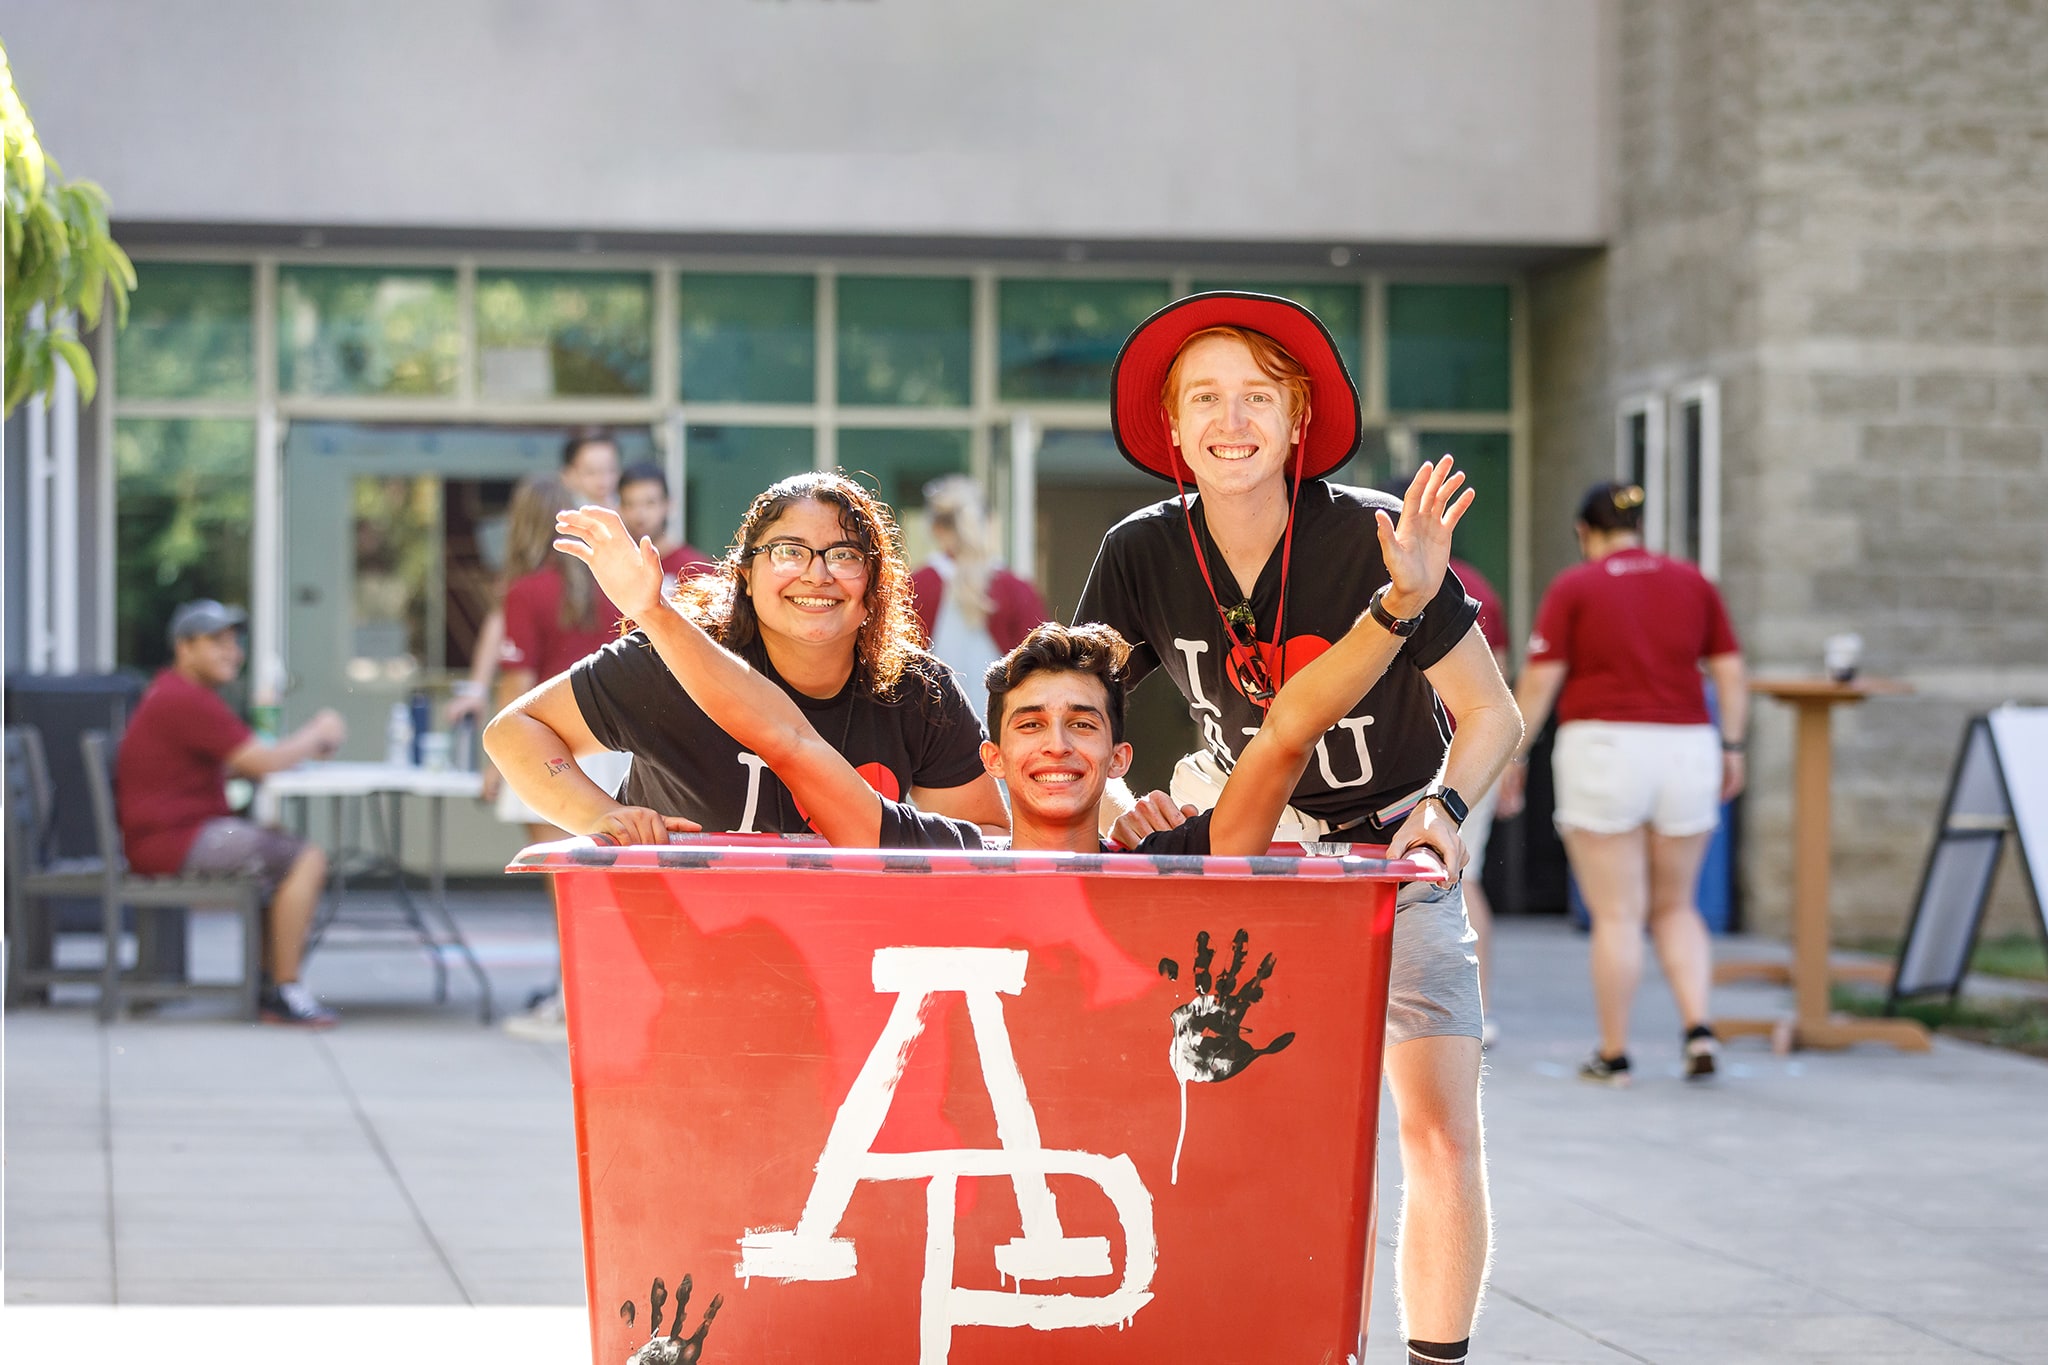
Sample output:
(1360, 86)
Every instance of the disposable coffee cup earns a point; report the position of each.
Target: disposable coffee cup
(1841, 655)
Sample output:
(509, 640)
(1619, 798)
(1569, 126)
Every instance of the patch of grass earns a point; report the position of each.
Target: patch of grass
(2017, 1025)
(2023, 956)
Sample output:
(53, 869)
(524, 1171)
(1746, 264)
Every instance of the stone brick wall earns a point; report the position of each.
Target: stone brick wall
(1840, 209)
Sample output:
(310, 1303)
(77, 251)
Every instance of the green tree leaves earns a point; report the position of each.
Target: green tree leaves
(59, 257)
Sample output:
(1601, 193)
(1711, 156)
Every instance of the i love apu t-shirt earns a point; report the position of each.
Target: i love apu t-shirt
(1147, 584)
(683, 764)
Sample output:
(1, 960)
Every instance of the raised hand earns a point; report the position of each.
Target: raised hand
(1208, 1031)
(1417, 550)
(675, 1348)
(629, 573)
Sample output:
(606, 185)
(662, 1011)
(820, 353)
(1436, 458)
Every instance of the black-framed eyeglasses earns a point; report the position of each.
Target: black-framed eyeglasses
(842, 560)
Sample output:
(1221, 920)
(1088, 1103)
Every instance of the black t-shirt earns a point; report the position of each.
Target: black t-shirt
(683, 764)
(1147, 583)
(908, 827)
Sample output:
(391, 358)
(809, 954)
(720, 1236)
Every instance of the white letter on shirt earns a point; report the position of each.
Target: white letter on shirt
(754, 765)
(1356, 725)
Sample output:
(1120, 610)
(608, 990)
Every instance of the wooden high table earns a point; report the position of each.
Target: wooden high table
(1813, 1023)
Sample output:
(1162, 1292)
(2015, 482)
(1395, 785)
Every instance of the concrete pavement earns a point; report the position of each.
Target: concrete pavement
(1824, 1207)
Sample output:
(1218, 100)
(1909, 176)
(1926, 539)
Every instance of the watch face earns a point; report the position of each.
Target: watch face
(1453, 803)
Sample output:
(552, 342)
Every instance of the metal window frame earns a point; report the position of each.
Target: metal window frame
(670, 418)
(1706, 394)
(1650, 408)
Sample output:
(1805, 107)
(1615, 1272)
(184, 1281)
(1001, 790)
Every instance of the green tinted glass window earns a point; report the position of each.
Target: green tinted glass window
(183, 508)
(363, 331)
(1339, 307)
(748, 338)
(563, 334)
(899, 462)
(190, 332)
(725, 467)
(1449, 348)
(905, 341)
(1060, 337)
(1488, 461)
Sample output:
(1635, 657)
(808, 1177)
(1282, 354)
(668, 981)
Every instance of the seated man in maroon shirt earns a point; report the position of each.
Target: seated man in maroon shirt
(181, 745)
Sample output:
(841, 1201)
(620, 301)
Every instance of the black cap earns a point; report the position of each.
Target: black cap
(204, 617)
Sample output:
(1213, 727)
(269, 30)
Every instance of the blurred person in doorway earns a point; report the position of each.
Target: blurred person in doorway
(1477, 830)
(1641, 770)
(644, 507)
(1478, 827)
(180, 746)
(973, 609)
(555, 614)
(590, 471)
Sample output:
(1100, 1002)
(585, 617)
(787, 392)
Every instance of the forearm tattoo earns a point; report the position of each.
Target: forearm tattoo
(558, 766)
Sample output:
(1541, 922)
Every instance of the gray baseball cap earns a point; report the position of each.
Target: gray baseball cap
(204, 617)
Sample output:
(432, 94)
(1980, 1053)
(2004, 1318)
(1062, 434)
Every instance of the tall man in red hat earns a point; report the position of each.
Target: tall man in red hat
(1244, 397)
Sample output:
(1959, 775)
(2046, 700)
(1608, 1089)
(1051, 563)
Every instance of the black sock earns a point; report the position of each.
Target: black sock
(1699, 1031)
(1438, 1352)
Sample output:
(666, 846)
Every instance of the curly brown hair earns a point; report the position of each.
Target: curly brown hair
(890, 642)
(1094, 649)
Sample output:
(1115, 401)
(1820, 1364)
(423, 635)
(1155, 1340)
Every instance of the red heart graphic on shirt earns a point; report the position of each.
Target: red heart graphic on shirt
(1302, 650)
(875, 775)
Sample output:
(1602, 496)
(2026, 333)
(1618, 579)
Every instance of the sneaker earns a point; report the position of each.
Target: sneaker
(291, 1003)
(1701, 1048)
(546, 1022)
(1609, 1071)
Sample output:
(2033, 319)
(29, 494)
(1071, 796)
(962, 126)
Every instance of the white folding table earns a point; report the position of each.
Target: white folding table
(378, 790)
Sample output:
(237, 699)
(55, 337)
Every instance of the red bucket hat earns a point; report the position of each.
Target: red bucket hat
(1138, 419)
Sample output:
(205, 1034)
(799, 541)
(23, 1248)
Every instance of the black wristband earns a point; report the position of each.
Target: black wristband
(1733, 746)
(1395, 625)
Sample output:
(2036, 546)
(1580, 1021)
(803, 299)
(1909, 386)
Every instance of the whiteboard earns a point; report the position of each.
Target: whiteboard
(2021, 736)
(2000, 785)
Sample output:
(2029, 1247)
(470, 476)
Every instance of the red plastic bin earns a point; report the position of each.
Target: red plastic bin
(936, 1106)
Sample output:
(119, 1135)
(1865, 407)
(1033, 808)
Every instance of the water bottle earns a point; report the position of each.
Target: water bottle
(422, 719)
(398, 736)
(462, 746)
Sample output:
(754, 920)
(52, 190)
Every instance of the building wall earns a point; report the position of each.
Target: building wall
(1383, 121)
(1838, 210)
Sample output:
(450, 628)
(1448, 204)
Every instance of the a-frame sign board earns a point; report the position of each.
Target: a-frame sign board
(2000, 787)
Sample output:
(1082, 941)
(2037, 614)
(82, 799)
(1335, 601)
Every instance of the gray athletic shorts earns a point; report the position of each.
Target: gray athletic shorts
(1435, 988)
(234, 847)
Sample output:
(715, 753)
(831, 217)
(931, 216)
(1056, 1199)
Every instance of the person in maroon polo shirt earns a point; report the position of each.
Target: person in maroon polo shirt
(1620, 644)
(181, 745)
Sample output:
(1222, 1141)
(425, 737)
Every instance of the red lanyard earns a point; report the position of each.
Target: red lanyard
(1286, 545)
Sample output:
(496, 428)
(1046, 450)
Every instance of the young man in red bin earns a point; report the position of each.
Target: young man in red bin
(181, 745)
(1056, 708)
(1242, 401)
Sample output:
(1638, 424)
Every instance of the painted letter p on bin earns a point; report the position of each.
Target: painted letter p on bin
(913, 1108)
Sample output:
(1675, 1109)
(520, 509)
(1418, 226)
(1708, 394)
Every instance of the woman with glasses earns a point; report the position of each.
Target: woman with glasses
(813, 594)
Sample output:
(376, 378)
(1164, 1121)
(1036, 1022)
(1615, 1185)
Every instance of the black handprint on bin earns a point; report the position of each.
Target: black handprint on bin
(675, 1348)
(1208, 1042)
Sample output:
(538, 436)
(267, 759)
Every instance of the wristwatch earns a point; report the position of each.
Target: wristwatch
(1395, 625)
(1448, 798)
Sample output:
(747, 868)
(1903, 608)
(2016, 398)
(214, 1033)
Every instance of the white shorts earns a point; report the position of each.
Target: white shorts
(1614, 776)
(607, 770)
